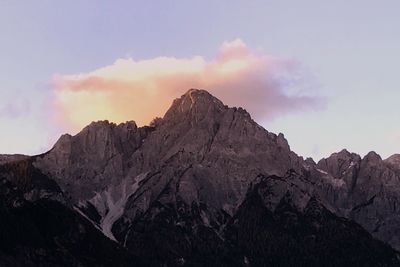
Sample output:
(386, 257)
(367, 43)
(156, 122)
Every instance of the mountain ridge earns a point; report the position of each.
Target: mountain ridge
(169, 191)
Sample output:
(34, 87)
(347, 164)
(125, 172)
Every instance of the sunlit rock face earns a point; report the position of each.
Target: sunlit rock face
(187, 189)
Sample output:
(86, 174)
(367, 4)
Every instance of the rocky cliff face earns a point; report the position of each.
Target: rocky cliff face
(187, 189)
(299, 232)
(94, 159)
(369, 193)
(208, 151)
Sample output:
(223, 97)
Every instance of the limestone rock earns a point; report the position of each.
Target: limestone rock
(371, 195)
(93, 159)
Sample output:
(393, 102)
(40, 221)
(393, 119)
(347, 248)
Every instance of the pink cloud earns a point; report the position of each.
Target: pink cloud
(141, 90)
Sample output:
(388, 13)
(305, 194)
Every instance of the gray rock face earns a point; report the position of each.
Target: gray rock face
(209, 153)
(215, 148)
(94, 159)
(370, 192)
(341, 165)
(393, 162)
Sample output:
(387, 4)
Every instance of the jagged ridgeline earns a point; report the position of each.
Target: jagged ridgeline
(203, 186)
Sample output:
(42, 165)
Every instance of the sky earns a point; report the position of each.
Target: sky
(323, 73)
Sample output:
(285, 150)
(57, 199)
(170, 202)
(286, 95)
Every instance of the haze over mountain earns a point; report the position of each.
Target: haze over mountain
(203, 186)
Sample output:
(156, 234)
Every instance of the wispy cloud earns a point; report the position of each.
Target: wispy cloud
(143, 89)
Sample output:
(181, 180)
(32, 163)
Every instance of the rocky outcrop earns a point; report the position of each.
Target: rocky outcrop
(370, 192)
(94, 159)
(393, 162)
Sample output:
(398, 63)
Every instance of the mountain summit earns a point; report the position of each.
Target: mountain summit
(203, 186)
(196, 102)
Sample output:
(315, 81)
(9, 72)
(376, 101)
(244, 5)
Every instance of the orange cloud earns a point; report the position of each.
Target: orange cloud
(141, 90)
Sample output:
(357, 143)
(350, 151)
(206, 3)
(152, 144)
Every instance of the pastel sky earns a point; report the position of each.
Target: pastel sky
(323, 73)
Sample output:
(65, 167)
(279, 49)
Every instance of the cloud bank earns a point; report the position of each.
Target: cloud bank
(143, 89)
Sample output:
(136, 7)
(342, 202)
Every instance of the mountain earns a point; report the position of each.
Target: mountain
(369, 193)
(48, 233)
(289, 234)
(203, 186)
(223, 148)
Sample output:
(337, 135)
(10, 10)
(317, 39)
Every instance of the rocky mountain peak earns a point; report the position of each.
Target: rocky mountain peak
(339, 163)
(195, 104)
(344, 153)
(394, 160)
(197, 130)
(105, 127)
(310, 161)
(197, 97)
(372, 157)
